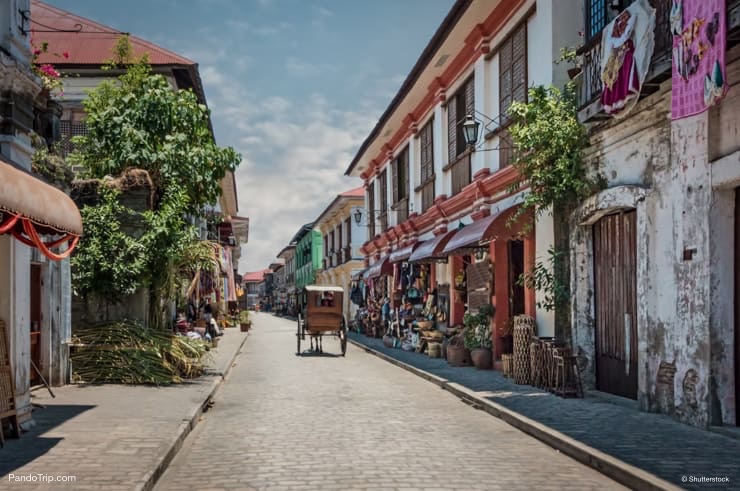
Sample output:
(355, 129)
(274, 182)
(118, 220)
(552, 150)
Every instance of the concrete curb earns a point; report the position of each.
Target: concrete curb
(187, 425)
(622, 472)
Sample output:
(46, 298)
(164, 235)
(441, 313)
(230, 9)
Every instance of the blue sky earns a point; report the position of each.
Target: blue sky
(294, 85)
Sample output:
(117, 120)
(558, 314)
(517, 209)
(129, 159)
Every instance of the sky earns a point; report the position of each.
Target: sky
(295, 86)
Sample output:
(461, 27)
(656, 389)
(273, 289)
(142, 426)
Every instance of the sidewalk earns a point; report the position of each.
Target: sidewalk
(112, 437)
(638, 449)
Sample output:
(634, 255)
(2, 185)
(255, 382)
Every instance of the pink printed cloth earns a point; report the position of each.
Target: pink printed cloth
(699, 31)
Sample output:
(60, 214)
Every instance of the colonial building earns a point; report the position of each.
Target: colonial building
(434, 199)
(78, 48)
(342, 237)
(39, 227)
(287, 254)
(654, 260)
(307, 255)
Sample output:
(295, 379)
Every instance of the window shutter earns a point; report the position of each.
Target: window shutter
(396, 179)
(405, 169)
(519, 64)
(452, 129)
(349, 231)
(470, 97)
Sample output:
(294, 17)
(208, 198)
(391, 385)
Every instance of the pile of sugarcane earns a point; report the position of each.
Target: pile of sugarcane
(129, 353)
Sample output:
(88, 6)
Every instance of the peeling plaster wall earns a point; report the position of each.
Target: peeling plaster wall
(685, 251)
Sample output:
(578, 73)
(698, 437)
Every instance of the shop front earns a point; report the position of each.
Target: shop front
(487, 259)
(39, 228)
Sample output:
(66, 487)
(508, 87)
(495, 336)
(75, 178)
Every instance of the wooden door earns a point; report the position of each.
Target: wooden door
(516, 268)
(35, 316)
(615, 282)
(737, 307)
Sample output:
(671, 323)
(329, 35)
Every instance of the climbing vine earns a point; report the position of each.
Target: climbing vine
(549, 142)
(548, 149)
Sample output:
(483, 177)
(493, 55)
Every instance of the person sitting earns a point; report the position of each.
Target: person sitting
(327, 299)
(181, 324)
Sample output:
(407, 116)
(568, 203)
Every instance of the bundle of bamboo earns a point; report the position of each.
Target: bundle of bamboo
(129, 353)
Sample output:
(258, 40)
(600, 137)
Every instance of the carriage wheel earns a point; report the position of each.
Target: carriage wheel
(298, 336)
(343, 336)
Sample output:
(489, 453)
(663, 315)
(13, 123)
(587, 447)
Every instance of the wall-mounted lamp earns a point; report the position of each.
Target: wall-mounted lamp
(471, 129)
(359, 214)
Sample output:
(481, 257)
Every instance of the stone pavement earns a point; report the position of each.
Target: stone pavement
(112, 437)
(283, 421)
(651, 442)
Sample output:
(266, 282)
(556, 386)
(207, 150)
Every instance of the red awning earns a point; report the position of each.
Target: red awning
(480, 233)
(30, 208)
(431, 250)
(402, 254)
(381, 267)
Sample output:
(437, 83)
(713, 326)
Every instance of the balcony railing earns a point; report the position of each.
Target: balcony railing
(346, 254)
(460, 173)
(660, 65)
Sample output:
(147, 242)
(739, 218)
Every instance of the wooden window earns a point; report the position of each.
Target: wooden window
(460, 105)
(339, 236)
(427, 152)
(383, 180)
(601, 12)
(512, 83)
(371, 210)
(383, 183)
(401, 176)
(426, 180)
(348, 226)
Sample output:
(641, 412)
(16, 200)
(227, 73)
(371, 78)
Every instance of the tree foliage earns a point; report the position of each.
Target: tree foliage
(140, 121)
(108, 261)
(548, 149)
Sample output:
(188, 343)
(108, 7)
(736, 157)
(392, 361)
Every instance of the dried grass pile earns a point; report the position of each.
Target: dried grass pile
(129, 353)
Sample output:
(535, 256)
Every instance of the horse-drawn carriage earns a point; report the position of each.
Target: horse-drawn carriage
(322, 316)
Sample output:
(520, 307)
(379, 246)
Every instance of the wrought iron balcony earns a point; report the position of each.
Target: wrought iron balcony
(660, 65)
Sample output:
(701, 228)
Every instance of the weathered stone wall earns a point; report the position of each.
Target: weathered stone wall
(685, 254)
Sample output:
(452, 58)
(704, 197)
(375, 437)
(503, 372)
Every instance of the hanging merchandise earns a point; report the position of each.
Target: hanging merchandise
(699, 38)
(626, 51)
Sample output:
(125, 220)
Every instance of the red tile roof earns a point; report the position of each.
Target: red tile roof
(355, 192)
(255, 276)
(92, 45)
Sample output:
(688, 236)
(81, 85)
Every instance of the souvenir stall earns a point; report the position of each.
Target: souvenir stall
(377, 298)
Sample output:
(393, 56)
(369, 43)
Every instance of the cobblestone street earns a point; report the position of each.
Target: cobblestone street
(287, 422)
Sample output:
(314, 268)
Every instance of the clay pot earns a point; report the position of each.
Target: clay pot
(458, 356)
(482, 358)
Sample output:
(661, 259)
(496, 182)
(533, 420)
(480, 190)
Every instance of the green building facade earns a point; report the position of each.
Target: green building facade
(307, 256)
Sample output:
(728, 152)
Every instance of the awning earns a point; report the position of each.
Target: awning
(431, 250)
(30, 208)
(403, 253)
(379, 268)
(480, 233)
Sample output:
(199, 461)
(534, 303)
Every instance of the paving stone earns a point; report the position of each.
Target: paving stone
(286, 422)
(653, 442)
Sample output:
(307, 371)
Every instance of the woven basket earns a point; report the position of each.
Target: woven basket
(506, 362)
(423, 325)
(435, 350)
(523, 335)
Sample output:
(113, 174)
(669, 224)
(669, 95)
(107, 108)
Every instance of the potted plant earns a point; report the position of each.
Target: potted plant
(477, 336)
(244, 322)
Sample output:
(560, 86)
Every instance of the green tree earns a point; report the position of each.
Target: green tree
(140, 121)
(108, 261)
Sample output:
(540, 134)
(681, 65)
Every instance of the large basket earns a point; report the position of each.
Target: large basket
(524, 330)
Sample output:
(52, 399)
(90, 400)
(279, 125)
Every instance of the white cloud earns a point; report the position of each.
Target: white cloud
(302, 68)
(294, 154)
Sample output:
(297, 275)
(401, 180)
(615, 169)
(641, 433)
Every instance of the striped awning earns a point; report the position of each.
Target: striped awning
(431, 250)
(30, 208)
